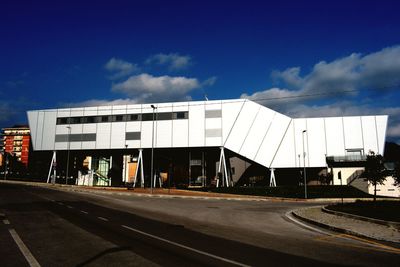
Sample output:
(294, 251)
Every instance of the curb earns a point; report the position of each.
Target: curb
(337, 229)
(361, 218)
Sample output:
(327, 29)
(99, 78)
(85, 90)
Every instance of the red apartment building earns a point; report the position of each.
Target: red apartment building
(16, 141)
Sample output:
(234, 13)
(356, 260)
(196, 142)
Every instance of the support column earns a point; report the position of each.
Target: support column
(53, 165)
(226, 179)
(272, 182)
(139, 166)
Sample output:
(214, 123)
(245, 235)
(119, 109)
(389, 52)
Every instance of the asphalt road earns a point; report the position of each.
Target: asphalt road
(67, 228)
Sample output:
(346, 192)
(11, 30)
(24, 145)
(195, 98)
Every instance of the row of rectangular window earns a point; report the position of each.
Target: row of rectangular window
(123, 118)
(91, 137)
(75, 137)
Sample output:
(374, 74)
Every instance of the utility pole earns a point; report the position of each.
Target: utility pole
(152, 152)
(304, 172)
(66, 173)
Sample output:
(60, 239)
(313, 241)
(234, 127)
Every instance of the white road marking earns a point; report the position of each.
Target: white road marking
(186, 247)
(25, 251)
(85, 212)
(2, 215)
(6, 221)
(60, 203)
(103, 219)
(70, 207)
(290, 217)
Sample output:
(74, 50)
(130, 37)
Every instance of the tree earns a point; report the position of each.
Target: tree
(375, 171)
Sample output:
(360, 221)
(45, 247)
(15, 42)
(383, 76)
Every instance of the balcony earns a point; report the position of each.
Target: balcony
(348, 160)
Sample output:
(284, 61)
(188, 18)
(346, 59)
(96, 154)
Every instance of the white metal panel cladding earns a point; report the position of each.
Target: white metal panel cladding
(243, 124)
(39, 130)
(196, 124)
(256, 134)
(353, 138)
(334, 136)
(251, 130)
(117, 135)
(230, 112)
(381, 125)
(315, 140)
(164, 133)
(32, 120)
(369, 134)
(273, 139)
(103, 136)
(286, 155)
(299, 126)
(180, 133)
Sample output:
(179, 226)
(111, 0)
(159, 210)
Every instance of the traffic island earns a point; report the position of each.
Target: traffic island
(347, 225)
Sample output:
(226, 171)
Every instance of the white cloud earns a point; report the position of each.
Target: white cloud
(210, 81)
(303, 95)
(120, 68)
(173, 61)
(375, 71)
(146, 88)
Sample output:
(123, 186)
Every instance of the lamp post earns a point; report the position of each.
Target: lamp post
(304, 171)
(68, 149)
(6, 165)
(152, 152)
(125, 166)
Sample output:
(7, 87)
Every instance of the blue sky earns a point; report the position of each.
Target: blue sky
(344, 55)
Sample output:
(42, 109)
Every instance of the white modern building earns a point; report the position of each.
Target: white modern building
(126, 134)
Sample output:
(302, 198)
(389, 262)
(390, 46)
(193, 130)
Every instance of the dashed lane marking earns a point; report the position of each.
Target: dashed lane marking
(70, 207)
(6, 221)
(85, 212)
(25, 251)
(186, 247)
(102, 218)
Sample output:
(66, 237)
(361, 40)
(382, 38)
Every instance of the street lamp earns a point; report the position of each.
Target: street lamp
(304, 172)
(125, 166)
(68, 148)
(152, 151)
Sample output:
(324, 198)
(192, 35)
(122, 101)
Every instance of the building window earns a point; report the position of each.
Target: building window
(132, 135)
(90, 119)
(76, 120)
(119, 118)
(180, 115)
(134, 117)
(104, 119)
(62, 120)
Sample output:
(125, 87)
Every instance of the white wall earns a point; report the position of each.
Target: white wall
(245, 127)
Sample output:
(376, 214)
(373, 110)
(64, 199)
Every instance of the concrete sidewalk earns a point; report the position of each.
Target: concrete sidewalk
(357, 227)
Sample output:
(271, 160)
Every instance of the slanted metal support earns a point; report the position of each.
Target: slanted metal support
(226, 180)
(272, 182)
(53, 165)
(139, 166)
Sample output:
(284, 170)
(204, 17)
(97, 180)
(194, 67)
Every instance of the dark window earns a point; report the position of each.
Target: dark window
(76, 120)
(163, 116)
(181, 115)
(119, 118)
(134, 117)
(148, 117)
(132, 136)
(91, 119)
(104, 119)
(62, 120)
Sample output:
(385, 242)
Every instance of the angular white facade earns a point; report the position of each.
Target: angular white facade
(251, 130)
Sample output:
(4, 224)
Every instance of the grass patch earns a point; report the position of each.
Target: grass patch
(315, 191)
(382, 210)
